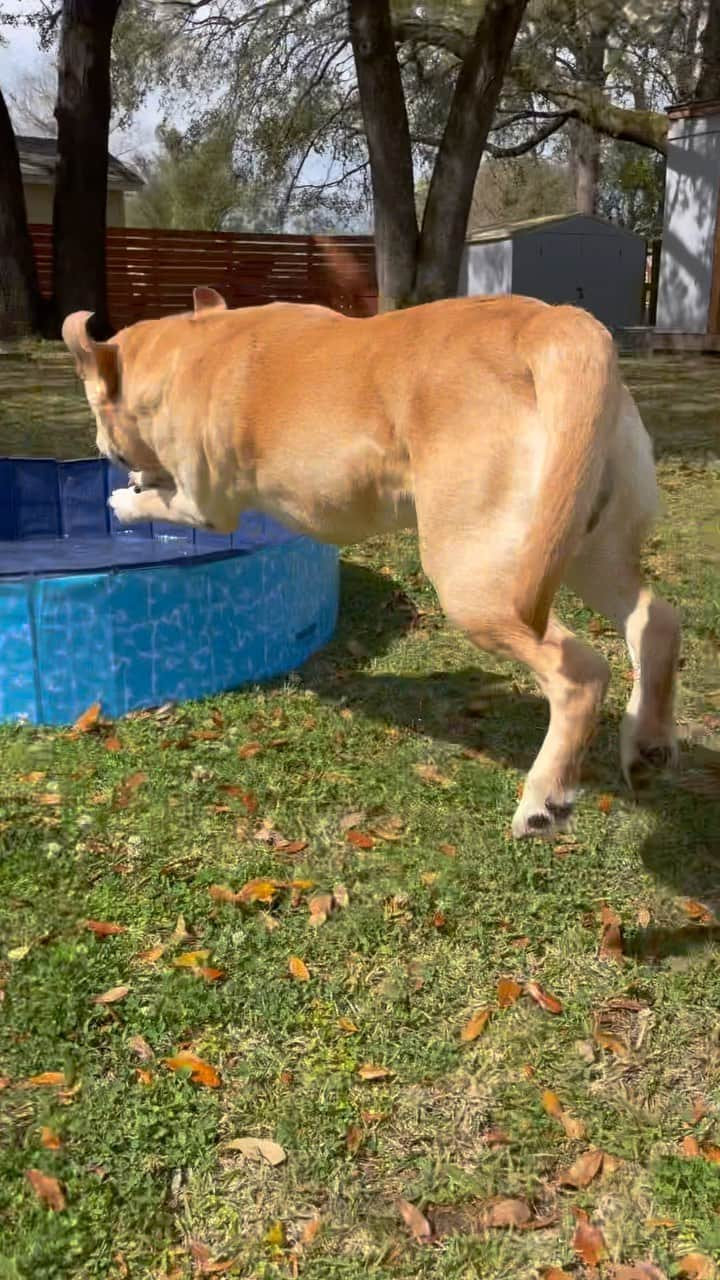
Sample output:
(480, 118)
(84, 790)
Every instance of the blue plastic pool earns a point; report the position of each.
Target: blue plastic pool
(134, 617)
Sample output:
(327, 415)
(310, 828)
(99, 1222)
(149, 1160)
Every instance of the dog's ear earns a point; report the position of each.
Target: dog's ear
(207, 299)
(92, 359)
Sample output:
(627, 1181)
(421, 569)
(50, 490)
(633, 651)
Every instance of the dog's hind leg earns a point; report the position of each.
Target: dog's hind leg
(605, 573)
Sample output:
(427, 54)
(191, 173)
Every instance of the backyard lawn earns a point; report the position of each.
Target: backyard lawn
(337, 1005)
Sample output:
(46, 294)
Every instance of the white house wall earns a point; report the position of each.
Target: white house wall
(691, 194)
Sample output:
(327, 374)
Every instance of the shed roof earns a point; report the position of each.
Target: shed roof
(507, 230)
(38, 161)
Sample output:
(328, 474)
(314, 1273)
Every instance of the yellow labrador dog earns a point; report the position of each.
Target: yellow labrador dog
(498, 427)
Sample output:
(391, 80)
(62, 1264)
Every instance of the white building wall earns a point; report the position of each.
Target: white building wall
(691, 203)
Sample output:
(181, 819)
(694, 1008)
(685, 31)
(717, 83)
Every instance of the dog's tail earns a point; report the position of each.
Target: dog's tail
(577, 387)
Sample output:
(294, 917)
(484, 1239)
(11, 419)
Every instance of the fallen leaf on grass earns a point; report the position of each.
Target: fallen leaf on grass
(249, 749)
(50, 1139)
(696, 1266)
(506, 1213)
(144, 1076)
(19, 953)
(494, 1138)
(605, 803)
(223, 893)
(574, 1129)
(141, 1048)
(582, 1171)
(126, 790)
(320, 906)
(354, 1139)
(697, 911)
(508, 991)
(47, 1189)
(290, 847)
(190, 959)
(352, 819)
(611, 1043)
(33, 778)
(113, 996)
(259, 890)
(151, 956)
(341, 896)
(203, 1261)
(48, 797)
(431, 773)
(252, 1148)
(298, 969)
(49, 1078)
(360, 839)
(345, 1024)
(700, 1109)
(611, 943)
(209, 974)
(104, 929)
(369, 1071)
(113, 744)
(588, 1241)
(547, 1002)
(554, 1273)
(88, 720)
(310, 1231)
(690, 1147)
(415, 1221)
(449, 850)
(475, 1026)
(201, 1072)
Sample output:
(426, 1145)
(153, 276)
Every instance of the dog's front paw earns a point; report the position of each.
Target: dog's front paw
(125, 505)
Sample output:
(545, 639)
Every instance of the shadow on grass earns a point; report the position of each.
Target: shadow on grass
(478, 711)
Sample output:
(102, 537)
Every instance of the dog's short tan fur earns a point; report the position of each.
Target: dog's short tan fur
(499, 427)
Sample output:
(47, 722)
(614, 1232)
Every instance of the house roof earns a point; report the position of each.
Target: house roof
(505, 231)
(38, 160)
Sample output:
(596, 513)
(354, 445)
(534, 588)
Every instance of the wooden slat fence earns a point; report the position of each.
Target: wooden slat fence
(153, 272)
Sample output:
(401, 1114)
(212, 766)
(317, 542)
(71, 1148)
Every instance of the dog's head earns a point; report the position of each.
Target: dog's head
(123, 413)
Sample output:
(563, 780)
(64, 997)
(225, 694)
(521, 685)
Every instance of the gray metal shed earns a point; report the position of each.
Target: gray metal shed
(562, 258)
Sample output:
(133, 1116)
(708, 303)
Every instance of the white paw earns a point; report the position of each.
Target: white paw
(124, 503)
(542, 813)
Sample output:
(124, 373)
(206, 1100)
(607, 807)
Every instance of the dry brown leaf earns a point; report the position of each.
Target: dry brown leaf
(50, 1139)
(450, 850)
(151, 956)
(347, 1025)
(310, 1231)
(223, 893)
(125, 791)
(574, 1129)
(415, 1221)
(611, 1043)
(431, 773)
(201, 1072)
(48, 797)
(141, 1048)
(249, 749)
(103, 928)
(251, 1148)
(690, 1147)
(495, 1138)
(582, 1171)
(696, 1266)
(508, 991)
(88, 720)
(341, 896)
(290, 847)
(605, 803)
(360, 839)
(700, 1109)
(354, 1139)
(209, 974)
(203, 1261)
(506, 1213)
(588, 1241)
(260, 890)
(370, 1071)
(475, 1026)
(320, 906)
(113, 744)
(554, 1273)
(144, 1076)
(33, 778)
(298, 969)
(47, 1189)
(113, 996)
(352, 820)
(697, 911)
(611, 943)
(547, 1002)
(48, 1078)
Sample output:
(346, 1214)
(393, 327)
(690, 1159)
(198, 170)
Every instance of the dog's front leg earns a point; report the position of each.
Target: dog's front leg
(132, 505)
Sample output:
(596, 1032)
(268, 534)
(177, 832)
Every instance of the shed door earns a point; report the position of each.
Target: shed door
(602, 273)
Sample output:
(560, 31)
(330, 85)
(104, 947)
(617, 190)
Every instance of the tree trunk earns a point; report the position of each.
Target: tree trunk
(83, 118)
(20, 303)
(447, 210)
(388, 137)
(585, 152)
(708, 85)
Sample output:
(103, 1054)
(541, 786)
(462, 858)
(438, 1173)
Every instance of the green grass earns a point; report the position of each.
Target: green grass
(145, 1167)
